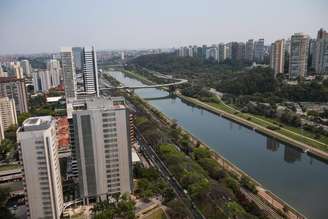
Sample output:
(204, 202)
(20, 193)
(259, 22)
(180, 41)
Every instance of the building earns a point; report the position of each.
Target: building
(298, 58)
(277, 59)
(90, 71)
(259, 51)
(68, 73)
(41, 172)
(8, 114)
(54, 69)
(222, 52)
(26, 68)
(16, 70)
(249, 50)
(241, 52)
(212, 53)
(14, 88)
(321, 52)
(102, 146)
(41, 81)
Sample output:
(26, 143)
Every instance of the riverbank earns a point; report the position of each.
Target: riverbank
(256, 127)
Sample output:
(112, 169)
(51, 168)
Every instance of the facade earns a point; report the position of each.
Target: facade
(241, 52)
(16, 70)
(54, 69)
(26, 68)
(8, 114)
(298, 58)
(259, 51)
(41, 81)
(102, 146)
(277, 59)
(321, 52)
(14, 88)
(249, 51)
(90, 71)
(41, 172)
(68, 73)
(222, 52)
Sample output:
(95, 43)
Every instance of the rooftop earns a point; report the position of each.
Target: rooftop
(36, 123)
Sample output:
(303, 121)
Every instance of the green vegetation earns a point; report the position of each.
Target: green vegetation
(9, 167)
(7, 147)
(4, 211)
(156, 214)
(150, 184)
(121, 207)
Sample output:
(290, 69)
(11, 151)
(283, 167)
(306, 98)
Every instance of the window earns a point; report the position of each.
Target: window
(108, 114)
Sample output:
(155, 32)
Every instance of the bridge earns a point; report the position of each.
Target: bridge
(159, 75)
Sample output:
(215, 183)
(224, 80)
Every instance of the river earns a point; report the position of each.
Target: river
(298, 178)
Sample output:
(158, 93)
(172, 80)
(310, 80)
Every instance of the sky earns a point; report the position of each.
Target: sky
(33, 26)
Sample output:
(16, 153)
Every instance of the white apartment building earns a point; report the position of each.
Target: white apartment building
(54, 69)
(26, 67)
(90, 71)
(102, 147)
(277, 60)
(39, 155)
(41, 80)
(8, 115)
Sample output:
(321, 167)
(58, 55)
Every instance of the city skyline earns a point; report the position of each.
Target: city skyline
(142, 24)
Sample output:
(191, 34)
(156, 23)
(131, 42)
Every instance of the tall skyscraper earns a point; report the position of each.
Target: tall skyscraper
(234, 51)
(241, 51)
(26, 68)
(298, 58)
(68, 73)
(277, 60)
(102, 147)
(41, 172)
(321, 52)
(90, 71)
(8, 114)
(14, 89)
(249, 53)
(259, 51)
(16, 70)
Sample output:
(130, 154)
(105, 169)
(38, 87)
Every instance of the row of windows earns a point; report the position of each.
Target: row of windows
(108, 114)
(114, 135)
(110, 145)
(109, 125)
(113, 175)
(114, 190)
(112, 165)
(113, 180)
(114, 185)
(109, 130)
(112, 170)
(110, 140)
(115, 155)
(109, 120)
(111, 150)
(111, 160)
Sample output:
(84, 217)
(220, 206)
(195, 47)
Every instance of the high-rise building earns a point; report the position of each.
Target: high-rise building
(68, 73)
(241, 51)
(298, 58)
(102, 146)
(8, 114)
(26, 68)
(311, 57)
(41, 80)
(16, 70)
(90, 71)
(234, 47)
(54, 69)
(222, 52)
(204, 48)
(321, 52)
(41, 172)
(249, 53)
(259, 51)
(14, 88)
(277, 60)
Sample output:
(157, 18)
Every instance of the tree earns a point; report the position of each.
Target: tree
(234, 210)
(22, 117)
(201, 152)
(177, 209)
(6, 146)
(4, 211)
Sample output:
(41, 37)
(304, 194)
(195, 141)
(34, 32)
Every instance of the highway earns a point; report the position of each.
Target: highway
(148, 151)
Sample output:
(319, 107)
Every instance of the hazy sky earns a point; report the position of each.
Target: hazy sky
(30, 26)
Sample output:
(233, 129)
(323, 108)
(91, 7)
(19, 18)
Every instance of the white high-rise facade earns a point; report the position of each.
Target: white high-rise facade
(321, 52)
(68, 73)
(298, 59)
(41, 80)
(8, 114)
(26, 68)
(54, 69)
(102, 147)
(90, 71)
(41, 172)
